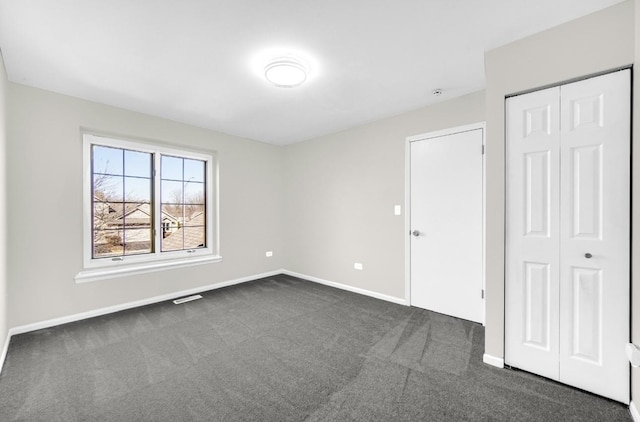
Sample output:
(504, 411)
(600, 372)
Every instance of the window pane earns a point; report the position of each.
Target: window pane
(194, 193)
(108, 188)
(137, 215)
(174, 241)
(103, 215)
(194, 170)
(171, 192)
(137, 240)
(107, 243)
(184, 238)
(137, 189)
(172, 213)
(117, 210)
(171, 219)
(136, 225)
(137, 164)
(107, 160)
(193, 237)
(194, 215)
(171, 168)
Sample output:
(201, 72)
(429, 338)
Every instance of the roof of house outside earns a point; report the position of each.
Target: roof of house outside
(188, 236)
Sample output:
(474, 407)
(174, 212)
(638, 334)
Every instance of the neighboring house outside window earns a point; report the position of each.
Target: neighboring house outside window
(144, 204)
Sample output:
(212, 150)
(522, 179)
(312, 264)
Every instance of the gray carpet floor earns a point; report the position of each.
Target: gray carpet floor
(276, 349)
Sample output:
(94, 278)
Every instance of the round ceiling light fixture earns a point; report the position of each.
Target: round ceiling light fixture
(286, 72)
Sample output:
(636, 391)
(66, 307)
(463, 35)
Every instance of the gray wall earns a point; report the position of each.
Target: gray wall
(340, 191)
(44, 155)
(3, 206)
(595, 43)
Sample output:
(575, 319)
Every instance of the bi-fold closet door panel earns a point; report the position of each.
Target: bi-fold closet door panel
(568, 230)
(533, 249)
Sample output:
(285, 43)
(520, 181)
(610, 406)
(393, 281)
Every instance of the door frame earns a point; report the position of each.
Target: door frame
(407, 201)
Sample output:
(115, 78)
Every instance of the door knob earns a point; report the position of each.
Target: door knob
(416, 233)
(588, 255)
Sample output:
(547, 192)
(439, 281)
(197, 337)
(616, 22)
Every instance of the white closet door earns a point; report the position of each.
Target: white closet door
(568, 230)
(595, 231)
(532, 291)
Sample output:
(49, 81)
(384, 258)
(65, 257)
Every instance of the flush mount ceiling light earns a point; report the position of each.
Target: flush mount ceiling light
(286, 71)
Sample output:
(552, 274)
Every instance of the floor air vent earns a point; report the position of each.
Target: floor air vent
(187, 299)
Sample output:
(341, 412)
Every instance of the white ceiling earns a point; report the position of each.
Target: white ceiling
(194, 61)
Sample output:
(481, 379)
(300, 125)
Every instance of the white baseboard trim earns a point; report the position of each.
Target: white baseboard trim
(116, 308)
(634, 412)
(170, 296)
(493, 361)
(5, 349)
(393, 299)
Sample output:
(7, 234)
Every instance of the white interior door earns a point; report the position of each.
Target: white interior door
(446, 222)
(567, 310)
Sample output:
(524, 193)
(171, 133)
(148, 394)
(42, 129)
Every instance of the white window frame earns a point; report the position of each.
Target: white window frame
(103, 268)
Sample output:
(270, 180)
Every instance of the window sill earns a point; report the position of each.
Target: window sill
(142, 268)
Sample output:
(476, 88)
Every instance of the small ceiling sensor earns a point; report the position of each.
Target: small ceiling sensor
(286, 72)
(437, 92)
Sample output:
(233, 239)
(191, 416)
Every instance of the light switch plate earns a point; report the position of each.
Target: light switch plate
(397, 210)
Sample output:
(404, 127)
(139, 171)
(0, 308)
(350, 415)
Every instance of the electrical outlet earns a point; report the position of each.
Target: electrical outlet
(269, 254)
(357, 266)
